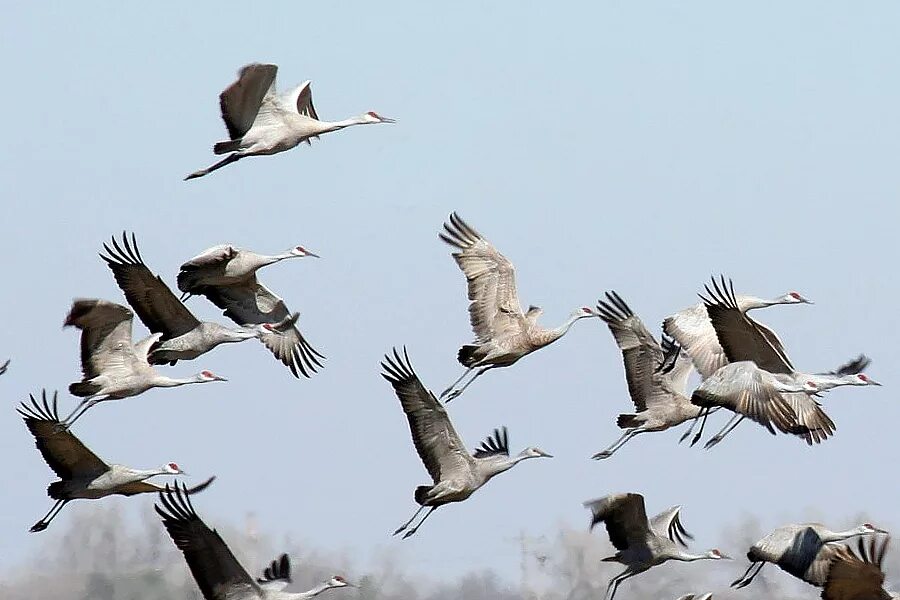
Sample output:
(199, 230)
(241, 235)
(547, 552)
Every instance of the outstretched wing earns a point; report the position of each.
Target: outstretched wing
(144, 487)
(494, 308)
(625, 517)
(852, 367)
(210, 262)
(495, 445)
(695, 334)
(439, 446)
(302, 100)
(240, 101)
(813, 425)
(251, 303)
(857, 577)
(668, 523)
(62, 451)
(105, 336)
(277, 574)
(152, 300)
(217, 572)
(741, 337)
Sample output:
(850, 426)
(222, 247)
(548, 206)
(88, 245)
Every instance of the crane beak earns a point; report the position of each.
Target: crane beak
(545, 454)
(387, 120)
(873, 382)
(218, 378)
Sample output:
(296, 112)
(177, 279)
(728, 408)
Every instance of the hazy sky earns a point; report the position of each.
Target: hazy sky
(632, 146)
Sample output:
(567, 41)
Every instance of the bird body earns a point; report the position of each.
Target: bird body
(656, 375)
(641, 543)
(113, 366)
(82, 474)
(262, 122)
(802, 550)
(455, 473)
(504, 333)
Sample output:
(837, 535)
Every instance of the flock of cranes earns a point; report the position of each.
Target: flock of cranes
(743, 366)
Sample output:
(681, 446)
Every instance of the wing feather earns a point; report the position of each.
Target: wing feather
(240, 101)
(625, 517)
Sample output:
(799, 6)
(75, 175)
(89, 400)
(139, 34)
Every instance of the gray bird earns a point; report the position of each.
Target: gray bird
(642, 543)
(456, 473)
(82, 474)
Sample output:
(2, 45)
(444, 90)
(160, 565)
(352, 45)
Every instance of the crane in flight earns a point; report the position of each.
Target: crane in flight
(261, 121)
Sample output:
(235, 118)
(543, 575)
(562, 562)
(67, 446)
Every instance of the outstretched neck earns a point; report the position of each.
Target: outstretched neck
(313, 592)
(837, 536)
(552, 335)
(686, 557)
(329, 126)
(163, 381)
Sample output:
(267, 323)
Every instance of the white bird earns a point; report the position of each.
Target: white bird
(852, 577)
(260, 121)
(217, 572)
(82, 474)
(642, 543)
(226, 264)
(802, 550)
(656, 375)
(235, 289)
(113, 366)
(183, 336)
(693, 331)
(456, 473)
(277, 576)
(503, 332)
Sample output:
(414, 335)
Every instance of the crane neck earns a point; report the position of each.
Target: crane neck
(687, 557)
(837, 536)
(312, 592)
(329, 126)
(163, 381)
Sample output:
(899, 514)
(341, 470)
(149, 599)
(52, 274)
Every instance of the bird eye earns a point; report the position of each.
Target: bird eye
(795, 295)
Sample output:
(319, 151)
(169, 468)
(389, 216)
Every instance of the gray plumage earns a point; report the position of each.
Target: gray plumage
(642, 543)
(802, 550)
(217, 572)
(456, 474)
(82, 474)
(656, 377)
(504, 333)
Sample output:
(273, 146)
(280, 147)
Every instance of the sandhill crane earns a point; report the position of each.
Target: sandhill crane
(503, 333)
(247, 302)
(82, 474)
(754, 393)
(656, 378)
(4, 367)
(113, 366)
(215, 569)
(228, 265)
(260, 121)
(641, 543)
(693, 331)
(456, 473)
(183, 336)
(744, 339)
(798, 549)
(277, 576)
(852, 577)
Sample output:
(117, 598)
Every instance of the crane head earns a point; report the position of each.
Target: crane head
(172, 469)
(716, 554)
(794, 298)
(532, 452)
(337, 581)
(863, 379)
(206, 376)
(301, 252)
(374, 117)
(869, 528)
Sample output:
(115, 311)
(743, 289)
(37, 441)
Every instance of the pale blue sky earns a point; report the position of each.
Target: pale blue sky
(632, 146)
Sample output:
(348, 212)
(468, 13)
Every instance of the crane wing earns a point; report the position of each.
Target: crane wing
(741, 337)
(676, 364)
(852, 367)
(151, 299)
(301, 98)
(62, 451)
(625, 517)
(668, 523)
(217, 572)
(641, 352)
(105, 336)
(439, 446)
(240, 102)
(143, 487)
(814, 425)
(251, 303)
(857, 577)
(496, 444)
(695, 334)
(278, 574)
(494, 308)
(745, 389)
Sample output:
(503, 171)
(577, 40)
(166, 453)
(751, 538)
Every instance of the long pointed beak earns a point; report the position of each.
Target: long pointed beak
(313, 254)
(217, 378)
(546, 454)
(873, 382)
(388, 120)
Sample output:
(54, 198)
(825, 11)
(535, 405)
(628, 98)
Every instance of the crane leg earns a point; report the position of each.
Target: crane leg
(729, 427)
(702, 425)
(45, 521)
(690, 429)
(82, 408)
(413, 518)
(619, 443)
(224, 162)
(455, 383)
(419, 524)
(744, 580)
(615, 581)
(458, 392)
